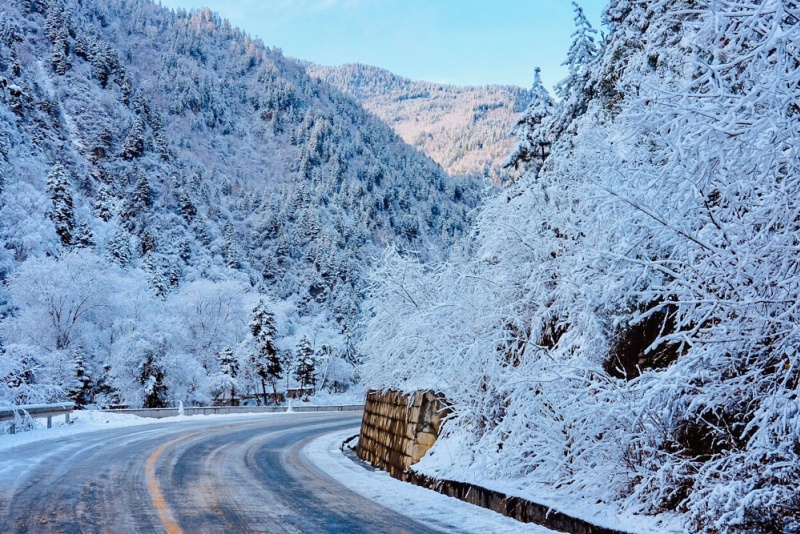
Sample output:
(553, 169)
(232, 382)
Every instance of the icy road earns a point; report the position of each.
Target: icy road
(216, 474)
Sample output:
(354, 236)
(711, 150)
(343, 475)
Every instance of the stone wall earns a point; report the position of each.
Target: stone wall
(398, 429)
(517, 508)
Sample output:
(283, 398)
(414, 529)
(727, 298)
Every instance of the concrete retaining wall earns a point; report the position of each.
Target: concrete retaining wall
(397, 429)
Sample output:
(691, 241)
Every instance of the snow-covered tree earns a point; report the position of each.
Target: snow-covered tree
(81, 393)
(151, 379)
(133, 146)
(620, 323)
(226, 380)
(532, 129)
(265, 357)
(305, 364)
(62, 214)
(575, 91)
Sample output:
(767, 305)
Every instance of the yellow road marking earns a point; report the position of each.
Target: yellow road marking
(159, 503)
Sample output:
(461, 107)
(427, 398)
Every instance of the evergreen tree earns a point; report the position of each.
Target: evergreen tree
(133, 146)
(158, 282)
(104, 62)
(229, 369)
(143, 193)
(54, 22)
(104, 203)
(268, 363)
(80, 48)
(152, 380)
(186, 207)
(119, 248)
(575, 91)
(84, 238)
(61, 196)
(532, 128)
(306, 364)
(81, 392)
(231, 250)
(59, 58)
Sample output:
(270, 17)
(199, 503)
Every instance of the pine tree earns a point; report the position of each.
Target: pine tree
(104, 61)
(81, 392)
(306, 369)
(152, 380)
(575, 91)
(54, 22)
(268, 363)
(229, 368)
(133, 146)
(158, 282)
(83, 238)
(80, 49)
(59, 58)
(186, 207)
(231, 251)
(143, 193)
(119, 248)
(63, 215)
(104, 203)
(532, 128)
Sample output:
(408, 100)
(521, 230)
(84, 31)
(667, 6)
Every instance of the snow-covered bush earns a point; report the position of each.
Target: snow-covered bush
(622, 322)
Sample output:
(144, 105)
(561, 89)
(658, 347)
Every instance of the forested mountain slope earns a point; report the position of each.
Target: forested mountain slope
(161, 172)
(622, 326)
(465, 129)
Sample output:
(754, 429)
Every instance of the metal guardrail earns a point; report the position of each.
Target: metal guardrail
(13, 413)
(159, 413)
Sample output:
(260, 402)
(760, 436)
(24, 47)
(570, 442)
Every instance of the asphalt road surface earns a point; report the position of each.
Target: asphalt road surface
(232, 474)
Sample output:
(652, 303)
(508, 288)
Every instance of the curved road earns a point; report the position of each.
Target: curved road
(232, 474)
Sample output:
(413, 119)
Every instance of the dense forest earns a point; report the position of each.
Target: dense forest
(465, 129)
(621, 324)
(185, 214)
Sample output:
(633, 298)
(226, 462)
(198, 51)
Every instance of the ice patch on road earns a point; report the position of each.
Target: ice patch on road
(434, 509)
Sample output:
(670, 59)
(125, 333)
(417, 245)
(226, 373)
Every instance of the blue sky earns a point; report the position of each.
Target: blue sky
(464, 42)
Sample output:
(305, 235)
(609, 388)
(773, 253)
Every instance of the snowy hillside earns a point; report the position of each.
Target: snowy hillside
(622, 326)
(464, 129)
(161, 174)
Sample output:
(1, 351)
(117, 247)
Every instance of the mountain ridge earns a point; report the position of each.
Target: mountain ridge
(464, 128)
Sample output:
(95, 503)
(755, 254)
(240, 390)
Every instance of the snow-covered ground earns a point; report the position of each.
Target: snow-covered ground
(429, 507)
(356, 395)
(80, 421)
(438, 463)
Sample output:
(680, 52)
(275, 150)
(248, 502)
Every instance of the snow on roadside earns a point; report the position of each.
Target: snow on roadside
(439, 461)
(80, 422)
(435, 510)
(83, 421)
(324, 398)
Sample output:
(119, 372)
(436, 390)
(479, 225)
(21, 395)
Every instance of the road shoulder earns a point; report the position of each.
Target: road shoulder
(436, 510)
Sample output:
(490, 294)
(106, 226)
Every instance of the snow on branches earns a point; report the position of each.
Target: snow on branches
(622, 323)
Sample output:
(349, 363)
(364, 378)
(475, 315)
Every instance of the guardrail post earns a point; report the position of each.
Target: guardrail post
(49, 421)
(66, 418)
(13, 429)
